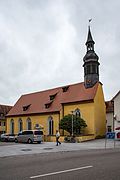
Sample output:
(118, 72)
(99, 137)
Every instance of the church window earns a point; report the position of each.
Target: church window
(77, 112)
(20, 125)
(29, 124)
(12, 126)
(50, 125)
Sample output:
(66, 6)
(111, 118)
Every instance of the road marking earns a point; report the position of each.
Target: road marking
(59, 172)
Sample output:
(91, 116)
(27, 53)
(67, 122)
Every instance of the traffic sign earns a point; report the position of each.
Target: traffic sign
(110, 135)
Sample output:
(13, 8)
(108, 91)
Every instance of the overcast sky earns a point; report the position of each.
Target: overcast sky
(42, 44)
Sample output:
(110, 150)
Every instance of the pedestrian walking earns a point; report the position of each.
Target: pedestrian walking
(57, 138)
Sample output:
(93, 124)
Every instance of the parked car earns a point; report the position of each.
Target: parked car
(8, 137)
(29, 136)
(117, 131)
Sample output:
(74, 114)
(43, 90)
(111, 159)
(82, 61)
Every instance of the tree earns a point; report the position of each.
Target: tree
(78, 123)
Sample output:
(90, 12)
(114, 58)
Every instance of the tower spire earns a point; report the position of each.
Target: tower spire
(89, 43)
(89, 38)
(91, 64)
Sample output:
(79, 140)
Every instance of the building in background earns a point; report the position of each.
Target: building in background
(113, 113)
(45, 109)
(116, 100)
(109, 116)
(4, 109)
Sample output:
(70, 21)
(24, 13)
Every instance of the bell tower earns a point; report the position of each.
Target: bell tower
(91, 64)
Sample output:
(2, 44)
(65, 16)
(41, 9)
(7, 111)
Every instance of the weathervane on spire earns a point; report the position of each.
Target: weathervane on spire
(90, 21)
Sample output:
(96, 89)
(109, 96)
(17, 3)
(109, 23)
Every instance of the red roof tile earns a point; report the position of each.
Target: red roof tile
(4, 109)
(109, 106)
(75, 93)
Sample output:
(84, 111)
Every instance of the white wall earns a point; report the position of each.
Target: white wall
(117, 110)
(109, 118)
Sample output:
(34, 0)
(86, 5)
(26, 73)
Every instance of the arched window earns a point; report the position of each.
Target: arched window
(29, 124)
(77, 112)
(20, 125)
(12, 126)
(50, 125)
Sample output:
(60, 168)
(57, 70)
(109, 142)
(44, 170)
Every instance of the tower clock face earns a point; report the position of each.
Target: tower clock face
(88, 81)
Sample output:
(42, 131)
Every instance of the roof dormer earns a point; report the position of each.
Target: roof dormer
(65, 88)
(52, 97)
(47, 105)
(26, 107)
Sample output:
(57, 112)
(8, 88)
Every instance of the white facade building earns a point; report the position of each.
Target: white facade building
(116, 100)
(109, 116)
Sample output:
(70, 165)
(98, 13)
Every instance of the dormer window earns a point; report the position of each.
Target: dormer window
(65, 88)
(47, 105)
(26, 107)
(52, 96)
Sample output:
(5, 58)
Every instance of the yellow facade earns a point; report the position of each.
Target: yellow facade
(100, 112)
(42, 120)
(87, 113)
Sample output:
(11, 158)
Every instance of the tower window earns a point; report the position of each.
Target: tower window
(90, 47)
(88, 69)
(94, 69)
(85, 70)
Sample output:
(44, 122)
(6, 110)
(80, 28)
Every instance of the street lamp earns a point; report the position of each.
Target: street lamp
(73, 112)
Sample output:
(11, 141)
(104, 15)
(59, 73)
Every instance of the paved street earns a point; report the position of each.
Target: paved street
(68, 161)
(10, 149)
(73, 165)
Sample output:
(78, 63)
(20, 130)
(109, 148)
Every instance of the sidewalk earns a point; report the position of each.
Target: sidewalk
(45, 147)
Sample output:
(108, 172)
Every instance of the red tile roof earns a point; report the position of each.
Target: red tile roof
(109, 106)
(4, 109)
(36, 102)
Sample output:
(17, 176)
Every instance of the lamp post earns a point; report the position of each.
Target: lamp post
(72, 121)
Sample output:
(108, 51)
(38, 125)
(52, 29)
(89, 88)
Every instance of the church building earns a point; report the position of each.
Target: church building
(45, 109)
